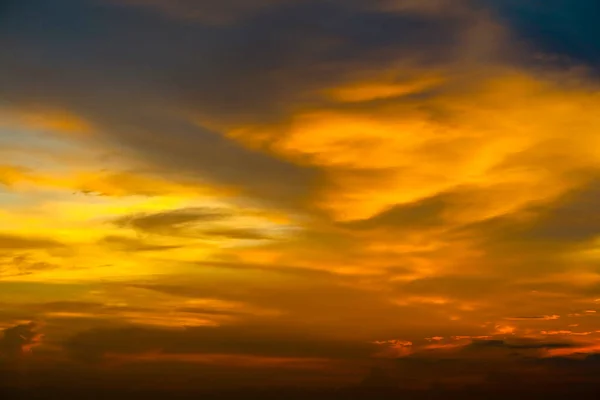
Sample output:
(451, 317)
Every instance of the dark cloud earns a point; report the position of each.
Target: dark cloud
(151, 75)
(187, 222)
(586, 360)
(564, 223)
(536, 239)
(418, 215)
(251, 340)
(17, 339)
(236, 233)
(493, 361)
(268, 288)
(542, 235)
(169, 221)
(571, 219)
(179, 223)
(518, 344)
(208, 311)
(455, 286)
(123, 243)
(18, 242)
(298, 272)
(289, 53)
(22, 264)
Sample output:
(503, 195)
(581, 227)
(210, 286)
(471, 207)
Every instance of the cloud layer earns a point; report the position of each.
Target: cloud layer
(301, 186)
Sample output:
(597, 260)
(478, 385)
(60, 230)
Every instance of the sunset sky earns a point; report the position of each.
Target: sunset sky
(294, 191)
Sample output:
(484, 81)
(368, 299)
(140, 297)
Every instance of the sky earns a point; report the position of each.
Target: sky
(262, 192)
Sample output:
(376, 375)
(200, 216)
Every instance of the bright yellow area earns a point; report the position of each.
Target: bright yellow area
(59, 217)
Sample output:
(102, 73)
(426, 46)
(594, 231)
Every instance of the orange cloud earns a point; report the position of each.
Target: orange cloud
(10, 175)
(394, 348)
(406, 154)
(56, 120)
(540, 318)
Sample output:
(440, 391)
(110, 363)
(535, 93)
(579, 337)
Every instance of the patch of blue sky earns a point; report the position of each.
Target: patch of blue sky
(35, 149)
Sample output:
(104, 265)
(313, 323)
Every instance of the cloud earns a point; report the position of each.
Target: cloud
(19, 340)
(486, 362)
(518, 343)
(9, 175)
(61, 122)
(236, 233)
(206, 223)
(22, 265)
(18, 242)
(545, 234)
(569, 219)
(368, 313)
(454, 287)
(173, 222)
(422, 214)
(534, 318)
(129, 183)
(290, 270)
(393, 348)
(66, 306)
(438, 177)
(250, 340)
(261, 139)
(265, 286)
(123, 243)
(114, 310)
(196, 149)
(217, 77)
